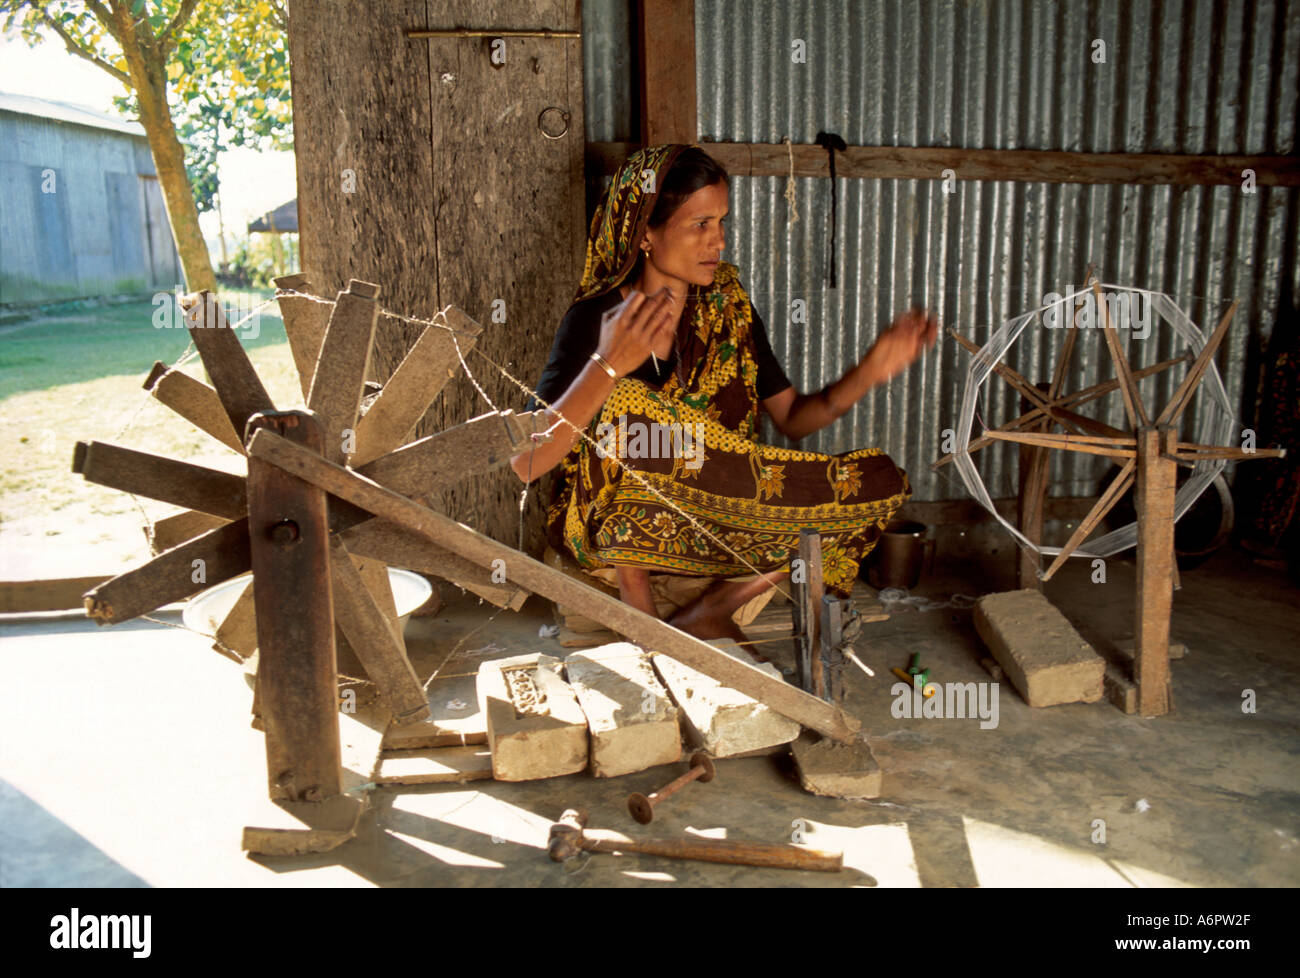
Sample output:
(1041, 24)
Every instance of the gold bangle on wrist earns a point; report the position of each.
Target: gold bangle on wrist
(604, 365)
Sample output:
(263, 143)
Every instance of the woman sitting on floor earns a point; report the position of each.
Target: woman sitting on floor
(661, 347)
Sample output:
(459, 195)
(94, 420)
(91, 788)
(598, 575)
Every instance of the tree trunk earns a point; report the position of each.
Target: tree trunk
(169, 161)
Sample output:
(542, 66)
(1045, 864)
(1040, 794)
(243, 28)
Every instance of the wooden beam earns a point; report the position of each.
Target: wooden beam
(666, 75)
(142, 474)
(418, 379)
(537, 577)
(297, 692)
(399, 548)
(372, 637)
(1015, 165)
(304, 325)
(236, 382)
(194, 401)
(341, 368)
(209, 559)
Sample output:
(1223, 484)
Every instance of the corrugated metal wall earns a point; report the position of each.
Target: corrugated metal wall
(102, 231)
(1195, 77)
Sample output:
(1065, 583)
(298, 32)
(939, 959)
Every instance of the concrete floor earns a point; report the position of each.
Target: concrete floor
(127, 759)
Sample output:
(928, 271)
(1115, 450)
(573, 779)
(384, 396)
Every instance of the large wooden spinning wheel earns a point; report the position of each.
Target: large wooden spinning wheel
(333, 493)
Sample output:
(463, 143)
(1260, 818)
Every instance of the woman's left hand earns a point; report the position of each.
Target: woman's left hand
(907, 337)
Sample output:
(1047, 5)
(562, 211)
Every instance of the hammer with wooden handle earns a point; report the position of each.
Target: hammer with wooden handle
(569, 836)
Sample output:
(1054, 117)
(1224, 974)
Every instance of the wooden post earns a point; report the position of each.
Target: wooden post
(666, 38)
(1156, 485)
(806, 580)
(296, 673)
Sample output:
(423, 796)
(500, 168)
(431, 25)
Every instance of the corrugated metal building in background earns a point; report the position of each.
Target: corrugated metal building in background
(81, 212)
(1187, 78)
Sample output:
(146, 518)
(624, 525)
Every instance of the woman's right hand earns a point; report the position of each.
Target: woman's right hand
(630, 332)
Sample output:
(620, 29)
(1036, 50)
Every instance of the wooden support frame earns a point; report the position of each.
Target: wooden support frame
(537, 577)
(297, 690)
(1157, 477)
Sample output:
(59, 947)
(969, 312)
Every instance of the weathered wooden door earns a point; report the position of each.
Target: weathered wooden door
(447, 170)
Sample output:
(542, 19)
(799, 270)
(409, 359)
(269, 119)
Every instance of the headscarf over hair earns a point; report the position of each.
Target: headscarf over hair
(622, 217)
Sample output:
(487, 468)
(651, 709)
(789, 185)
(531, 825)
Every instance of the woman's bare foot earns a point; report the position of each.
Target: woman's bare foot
(706, 621)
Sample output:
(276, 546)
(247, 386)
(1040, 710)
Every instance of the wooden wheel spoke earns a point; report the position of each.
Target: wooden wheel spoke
(236, 382)
(416, 382)
(1183, 395)
(209, 559)
(1119, 485)
(1188, 452)
(304, 325)
(384, 541)
(1137, 415)
(435, 462)
(341, 369)
(143, 474)
(1117, 448)
(373, 638)
(194, 401)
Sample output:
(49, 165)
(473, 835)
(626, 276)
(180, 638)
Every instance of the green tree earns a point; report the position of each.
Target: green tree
(214, 70)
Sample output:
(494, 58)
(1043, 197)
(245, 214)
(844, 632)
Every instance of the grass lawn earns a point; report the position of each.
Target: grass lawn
(78, 377)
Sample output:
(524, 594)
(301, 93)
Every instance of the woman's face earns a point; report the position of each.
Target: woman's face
(689, 246)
